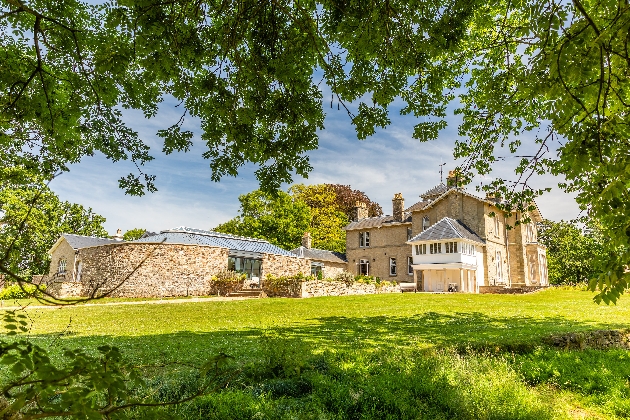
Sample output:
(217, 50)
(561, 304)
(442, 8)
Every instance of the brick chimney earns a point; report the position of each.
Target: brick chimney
(398, 205)
(359, 211)
(306, 240)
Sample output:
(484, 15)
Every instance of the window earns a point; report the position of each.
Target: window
(364, 267)
(499, 266)
(392, 266)
(531, 233)
(543, 268)
(435, 248)
(364, 239)
(249, 266)
(409, 233)
(425, 223)
(421, 249)
(497, 226)
(451, 247)
(410, 265)
(61, 268)
(316, 269)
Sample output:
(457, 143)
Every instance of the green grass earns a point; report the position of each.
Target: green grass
(376, 356)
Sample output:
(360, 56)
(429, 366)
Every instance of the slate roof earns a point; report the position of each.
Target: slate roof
(372, 222)
(79, 241)
(190, 236)
(447, 228)
(418, 206)
(435, 191)
(320, 254)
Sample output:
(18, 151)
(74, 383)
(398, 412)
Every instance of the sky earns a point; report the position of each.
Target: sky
(389, 162)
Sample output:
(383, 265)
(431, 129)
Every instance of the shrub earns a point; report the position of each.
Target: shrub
(226, 282)
(345, 277)
(284, 286)
(14, 291)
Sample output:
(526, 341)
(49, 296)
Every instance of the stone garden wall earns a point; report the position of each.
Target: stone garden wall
(147, 270)
(281, 265)
(315, 288)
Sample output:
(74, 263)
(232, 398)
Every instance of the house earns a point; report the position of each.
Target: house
(451, 239)
(175, 262)
(328, 264)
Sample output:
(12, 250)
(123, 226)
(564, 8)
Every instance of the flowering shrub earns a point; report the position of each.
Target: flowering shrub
(14, 291)
(226, 282)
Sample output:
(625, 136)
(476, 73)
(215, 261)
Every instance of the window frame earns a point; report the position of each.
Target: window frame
(499, 264)
(62, 266)
(426, 225)
(366, 263)
(421, 249)
(410, 266)
(393, 270)
(497, 226)
(364, 239)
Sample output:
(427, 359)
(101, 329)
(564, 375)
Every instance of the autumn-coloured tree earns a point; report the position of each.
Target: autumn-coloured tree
(347, 199)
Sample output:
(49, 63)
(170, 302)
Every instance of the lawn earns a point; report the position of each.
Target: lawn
(376, 356)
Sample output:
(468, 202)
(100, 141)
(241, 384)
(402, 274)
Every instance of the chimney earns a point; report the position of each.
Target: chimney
(451, 179)
(359, 211)
(118, 236)
(398, 204)
(306, 240)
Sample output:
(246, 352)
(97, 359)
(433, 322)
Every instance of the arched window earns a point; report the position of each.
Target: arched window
(61, 267)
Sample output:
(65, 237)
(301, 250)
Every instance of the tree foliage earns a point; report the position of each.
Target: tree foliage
(277, 218)
(571, 252)
(347, 198)
(33, 218)
(133, 234)
(542, 80)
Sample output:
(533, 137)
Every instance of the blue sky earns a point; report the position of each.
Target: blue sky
(389, 162)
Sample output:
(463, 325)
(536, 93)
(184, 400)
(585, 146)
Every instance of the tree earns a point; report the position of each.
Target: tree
(571, 252)
(32, 220)
(279, 219)
(327, 218)
(133, 234)
(533, 74)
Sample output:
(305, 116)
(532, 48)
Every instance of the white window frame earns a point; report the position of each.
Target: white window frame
(62, 266)
(364, 239)
(499, 265)
(410, 265)
(365, 262)
(392, 267)
(421, 249)
(497, 226)
(426, 223)
(435, 248)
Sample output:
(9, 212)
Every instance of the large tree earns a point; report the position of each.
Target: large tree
(32, 219)
(571, 251)
(546, 77)
(277, 218)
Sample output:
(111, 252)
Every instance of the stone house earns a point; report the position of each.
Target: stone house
(176, 262)
(328, 263)
(449, 238)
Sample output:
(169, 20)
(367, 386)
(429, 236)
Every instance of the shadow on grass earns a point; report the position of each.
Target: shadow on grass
(431, 365)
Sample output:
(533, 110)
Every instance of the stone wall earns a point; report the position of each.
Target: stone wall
(64, 289)
(599, 339)
(332, 269)
(500, 290)
(149, 270)
(281, 265)
(316, 288)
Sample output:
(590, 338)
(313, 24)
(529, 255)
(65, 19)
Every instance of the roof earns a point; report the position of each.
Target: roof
(80, 241)
(447, 228)
(190, 236)
(320, 254)
(435, 191)
(381, 221)
(418, 206)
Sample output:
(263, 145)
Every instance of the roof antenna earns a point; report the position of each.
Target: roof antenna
(441, 171)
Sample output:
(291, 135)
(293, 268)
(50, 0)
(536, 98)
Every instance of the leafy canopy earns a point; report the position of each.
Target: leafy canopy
(547, 81)
(133, 234)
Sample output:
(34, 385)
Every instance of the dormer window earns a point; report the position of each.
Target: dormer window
(364, 239)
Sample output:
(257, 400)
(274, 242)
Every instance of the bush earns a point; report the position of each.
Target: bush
(226, 282)
(284, 286)
(14, 291)
(345, 277)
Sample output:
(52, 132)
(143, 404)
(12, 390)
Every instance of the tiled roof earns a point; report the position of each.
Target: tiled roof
(435, 191)
(79, 241)
(189, 236)
(320, 254)
(447, 228)
(418, 206)
(372, 222)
